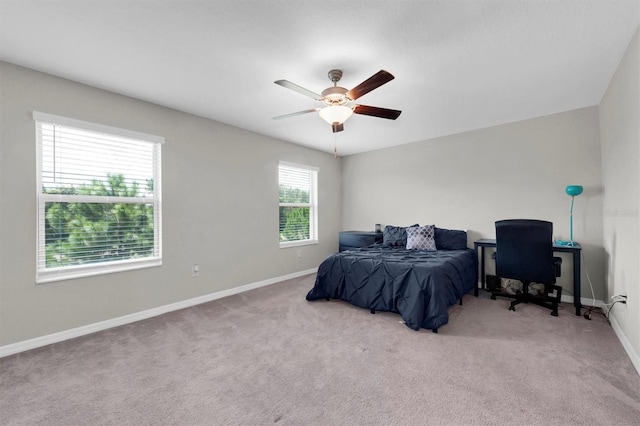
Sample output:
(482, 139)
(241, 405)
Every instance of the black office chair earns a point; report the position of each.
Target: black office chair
(524, 252)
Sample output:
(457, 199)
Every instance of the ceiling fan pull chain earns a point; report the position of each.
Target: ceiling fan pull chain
(335, 145)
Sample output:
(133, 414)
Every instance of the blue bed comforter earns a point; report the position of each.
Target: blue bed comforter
(418, 285)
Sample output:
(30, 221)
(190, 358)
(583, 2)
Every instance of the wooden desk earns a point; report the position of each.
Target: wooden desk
(574, 250)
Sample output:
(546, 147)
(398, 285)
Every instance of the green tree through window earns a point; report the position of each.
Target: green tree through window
(80, 233)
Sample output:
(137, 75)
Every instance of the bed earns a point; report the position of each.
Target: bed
(419, 283)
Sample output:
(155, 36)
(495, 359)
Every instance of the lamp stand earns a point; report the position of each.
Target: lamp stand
(571, 243)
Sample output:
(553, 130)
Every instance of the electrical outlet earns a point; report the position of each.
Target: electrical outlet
(622, 298)
(195, 270)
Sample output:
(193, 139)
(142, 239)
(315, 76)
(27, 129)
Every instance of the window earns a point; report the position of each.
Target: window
(99, 199)
(298, 204)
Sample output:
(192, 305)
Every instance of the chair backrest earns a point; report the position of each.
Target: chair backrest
(524, 250)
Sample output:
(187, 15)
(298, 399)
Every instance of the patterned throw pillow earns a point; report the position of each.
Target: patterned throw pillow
(421, 238)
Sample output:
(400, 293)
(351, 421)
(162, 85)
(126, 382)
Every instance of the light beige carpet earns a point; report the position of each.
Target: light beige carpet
(270, 357)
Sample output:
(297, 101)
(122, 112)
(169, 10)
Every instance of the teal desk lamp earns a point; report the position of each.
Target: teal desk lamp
(572, 190)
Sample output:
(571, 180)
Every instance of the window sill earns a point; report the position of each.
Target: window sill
(68, 273)
(298, 243)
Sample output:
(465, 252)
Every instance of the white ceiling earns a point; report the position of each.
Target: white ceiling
(459, 64)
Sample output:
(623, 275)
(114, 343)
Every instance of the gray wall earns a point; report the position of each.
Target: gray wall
(220, 209)
(470, 180)
(620, 135)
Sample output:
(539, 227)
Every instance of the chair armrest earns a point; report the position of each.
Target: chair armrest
(557, 266)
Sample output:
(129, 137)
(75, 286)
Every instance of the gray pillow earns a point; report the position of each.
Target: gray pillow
(395, 235)
(421, 238)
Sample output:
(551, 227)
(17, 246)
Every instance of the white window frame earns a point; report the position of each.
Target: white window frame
(44, 274)
(313, 205)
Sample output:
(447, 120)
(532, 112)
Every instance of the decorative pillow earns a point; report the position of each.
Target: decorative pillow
(395, 235)
(450, 239)
(421, 238)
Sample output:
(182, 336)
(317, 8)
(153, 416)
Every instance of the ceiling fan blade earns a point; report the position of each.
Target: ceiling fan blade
(373, 82)
(391, 114)
(293, 114)
(301, 90)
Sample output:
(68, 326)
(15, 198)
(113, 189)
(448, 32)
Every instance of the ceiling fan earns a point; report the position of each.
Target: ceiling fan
(338, 100)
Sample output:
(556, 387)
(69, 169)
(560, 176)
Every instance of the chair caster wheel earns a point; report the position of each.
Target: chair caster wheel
(555, 314)
(493, 297)
(512, 308)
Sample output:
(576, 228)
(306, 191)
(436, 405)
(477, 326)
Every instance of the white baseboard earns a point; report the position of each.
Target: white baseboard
(567, 298)
(37, 342)
(633, 355)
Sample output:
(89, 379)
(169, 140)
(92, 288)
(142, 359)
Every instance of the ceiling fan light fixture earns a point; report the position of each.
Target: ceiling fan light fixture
(336, 114)
(334, 96)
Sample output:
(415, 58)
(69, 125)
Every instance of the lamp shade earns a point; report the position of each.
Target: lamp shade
(336, 114)
(573, 190)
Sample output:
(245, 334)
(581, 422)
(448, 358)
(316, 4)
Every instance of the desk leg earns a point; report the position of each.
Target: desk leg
(577, 282)
(481, 270)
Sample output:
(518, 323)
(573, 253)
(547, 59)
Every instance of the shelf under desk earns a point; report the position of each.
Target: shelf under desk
(575, 249)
